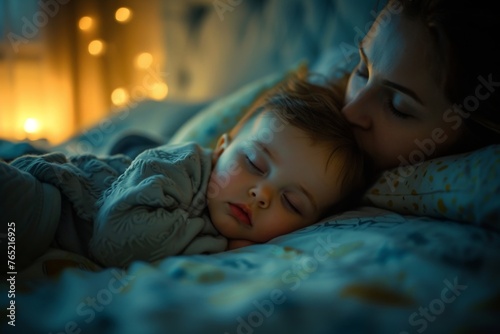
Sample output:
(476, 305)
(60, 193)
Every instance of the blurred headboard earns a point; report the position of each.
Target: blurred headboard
(215, 47)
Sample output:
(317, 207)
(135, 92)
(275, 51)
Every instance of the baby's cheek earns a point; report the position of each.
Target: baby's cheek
(213, 188)
(225, 173)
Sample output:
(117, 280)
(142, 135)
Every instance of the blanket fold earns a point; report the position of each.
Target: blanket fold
(34, 207)
(112, 209)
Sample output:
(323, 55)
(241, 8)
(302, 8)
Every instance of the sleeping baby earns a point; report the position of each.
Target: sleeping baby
(290, 161)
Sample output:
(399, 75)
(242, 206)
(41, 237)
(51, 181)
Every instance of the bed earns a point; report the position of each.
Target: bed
(421, 252)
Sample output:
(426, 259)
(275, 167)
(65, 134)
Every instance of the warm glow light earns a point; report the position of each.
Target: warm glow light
(119, 96)
(159, 91)
(96, 47)
(31, 125)
(85, 23)
(144, 60)
(123, 14)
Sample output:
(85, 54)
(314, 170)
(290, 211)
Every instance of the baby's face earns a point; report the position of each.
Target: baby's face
(269, 180)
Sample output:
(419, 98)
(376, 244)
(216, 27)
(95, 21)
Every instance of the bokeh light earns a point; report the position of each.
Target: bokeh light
(85, 23)
(159, 91)
(96, 47)
(123, 14)
(31, 125)
(119, 96)
(144, 60)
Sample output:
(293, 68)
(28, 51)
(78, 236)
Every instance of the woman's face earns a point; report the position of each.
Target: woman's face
(399, 114)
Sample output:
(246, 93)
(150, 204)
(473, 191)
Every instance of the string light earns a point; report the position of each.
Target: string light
(96, 47)
(119, 96)
(159, 91)
(144, 60)
(85, 23)
(31, 125)
(123, 15)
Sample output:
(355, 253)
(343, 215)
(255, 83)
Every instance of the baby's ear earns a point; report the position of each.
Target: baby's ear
(220, 147)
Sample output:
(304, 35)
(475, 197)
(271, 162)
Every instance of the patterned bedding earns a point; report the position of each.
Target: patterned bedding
(364, 271)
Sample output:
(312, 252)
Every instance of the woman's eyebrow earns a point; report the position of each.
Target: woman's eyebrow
(392, 84)
(403, 89)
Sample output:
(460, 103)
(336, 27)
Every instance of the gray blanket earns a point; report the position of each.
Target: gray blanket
(112, 209)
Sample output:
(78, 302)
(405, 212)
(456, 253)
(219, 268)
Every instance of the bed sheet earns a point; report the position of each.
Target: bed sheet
(364, 271)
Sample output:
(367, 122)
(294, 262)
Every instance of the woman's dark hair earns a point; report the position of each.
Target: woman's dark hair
(465, 36)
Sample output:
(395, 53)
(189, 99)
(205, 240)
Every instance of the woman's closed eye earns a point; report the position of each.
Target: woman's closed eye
(390, 103)
(389, 106)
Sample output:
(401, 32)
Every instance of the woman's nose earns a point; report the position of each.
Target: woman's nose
(358, 112)
(262, 195)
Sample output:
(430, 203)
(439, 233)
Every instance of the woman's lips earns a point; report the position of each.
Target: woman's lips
(242, 213)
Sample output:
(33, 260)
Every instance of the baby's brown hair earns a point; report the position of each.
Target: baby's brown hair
(316, 110)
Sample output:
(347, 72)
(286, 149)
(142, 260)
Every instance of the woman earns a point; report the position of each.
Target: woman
(428, 81)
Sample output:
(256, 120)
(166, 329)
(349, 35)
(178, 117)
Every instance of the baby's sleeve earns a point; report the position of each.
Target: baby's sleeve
(155, 209)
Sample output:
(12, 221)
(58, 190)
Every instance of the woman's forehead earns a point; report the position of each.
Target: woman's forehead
(401, 51)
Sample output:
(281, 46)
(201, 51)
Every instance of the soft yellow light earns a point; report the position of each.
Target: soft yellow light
(119, 96)
(159, 91)
(123, 14)
(96, 47)
(31, 125)
(144, 60)
(85, 23)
